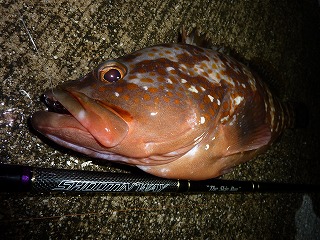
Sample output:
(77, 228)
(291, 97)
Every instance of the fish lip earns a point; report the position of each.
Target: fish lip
(54, 105)
(48, 128)
(104, 123)
(46, 122)
(55, 109)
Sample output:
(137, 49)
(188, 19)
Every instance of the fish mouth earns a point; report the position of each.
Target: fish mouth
(53, 104)
(79, 122)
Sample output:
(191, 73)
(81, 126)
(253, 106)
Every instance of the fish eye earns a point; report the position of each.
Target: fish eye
(112, 72)
(113, 75)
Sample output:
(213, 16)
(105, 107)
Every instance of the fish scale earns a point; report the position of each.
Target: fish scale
(173, 110)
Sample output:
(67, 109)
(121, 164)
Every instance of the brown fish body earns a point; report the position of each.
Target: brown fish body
(173, 110)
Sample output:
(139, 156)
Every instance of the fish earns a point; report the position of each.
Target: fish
(174, 110)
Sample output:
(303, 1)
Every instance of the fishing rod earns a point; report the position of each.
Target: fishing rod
(18, 178)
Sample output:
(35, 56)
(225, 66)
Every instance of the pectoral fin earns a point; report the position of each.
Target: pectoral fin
(246, 130)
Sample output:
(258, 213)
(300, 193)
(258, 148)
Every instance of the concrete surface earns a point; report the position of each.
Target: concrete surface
(48, 42)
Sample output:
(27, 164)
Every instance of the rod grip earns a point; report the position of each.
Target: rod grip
(89, 181)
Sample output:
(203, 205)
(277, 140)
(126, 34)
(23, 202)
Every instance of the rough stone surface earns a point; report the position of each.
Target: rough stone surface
(43, 43)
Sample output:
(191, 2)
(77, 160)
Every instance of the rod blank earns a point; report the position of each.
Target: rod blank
(17, 178)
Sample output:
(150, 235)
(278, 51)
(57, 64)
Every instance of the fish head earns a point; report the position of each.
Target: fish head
(133, 109)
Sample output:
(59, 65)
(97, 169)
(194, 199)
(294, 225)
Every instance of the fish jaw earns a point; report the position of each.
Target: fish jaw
(62, 129)
(89, 124)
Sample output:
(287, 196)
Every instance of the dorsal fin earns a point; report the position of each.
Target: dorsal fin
(195, 38)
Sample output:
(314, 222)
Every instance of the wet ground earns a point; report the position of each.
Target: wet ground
(48, 42)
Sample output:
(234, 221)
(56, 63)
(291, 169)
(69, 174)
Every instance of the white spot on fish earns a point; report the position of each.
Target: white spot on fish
(233, 120)
(183, 80)
(192, 120)
(116, 94)
(193, 89)
(238, 100)
(202, 120)
(206, 147)
(243, 85)
(169, 81)
(182, 66)
(211, 98)
(203, 89)
(81, 115)
(224, 119)
(153, 113)
(266, 106)
(107, 129)
(169, 69)
(145, 88)
(218, 102)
